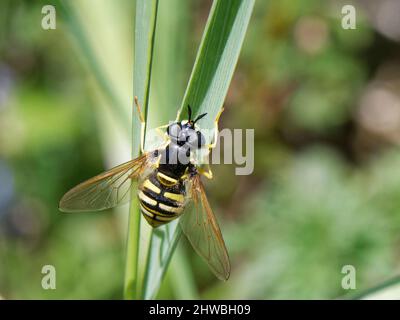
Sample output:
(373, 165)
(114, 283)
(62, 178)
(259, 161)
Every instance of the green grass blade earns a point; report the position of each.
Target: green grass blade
(181, 276)
(387, 290)
(206, 91)
(168, 85)
(149, 251)
(217, 58)
(146, 17)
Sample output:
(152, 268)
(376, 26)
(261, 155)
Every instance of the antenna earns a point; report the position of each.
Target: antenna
(200, 117)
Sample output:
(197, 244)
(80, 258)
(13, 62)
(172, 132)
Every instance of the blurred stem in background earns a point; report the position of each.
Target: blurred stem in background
(97, 62)
(159, 64)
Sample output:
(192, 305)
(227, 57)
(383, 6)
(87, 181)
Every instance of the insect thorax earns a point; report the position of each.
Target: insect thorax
(174, 160)
(185, 138)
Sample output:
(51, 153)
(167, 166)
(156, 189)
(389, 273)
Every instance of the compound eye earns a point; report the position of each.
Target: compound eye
(196, 139)
(201, 140)
(174, 130)
(192, 139)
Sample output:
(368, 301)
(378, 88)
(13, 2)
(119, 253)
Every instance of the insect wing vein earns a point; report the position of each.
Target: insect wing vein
(202, 230)
(103, 191)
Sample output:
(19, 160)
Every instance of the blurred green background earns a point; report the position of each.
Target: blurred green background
(325, 106)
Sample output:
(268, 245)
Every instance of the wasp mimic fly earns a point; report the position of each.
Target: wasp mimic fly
(169, 186)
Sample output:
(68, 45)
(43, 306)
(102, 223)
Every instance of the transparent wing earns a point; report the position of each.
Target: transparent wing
(106, 190)
(202, 230)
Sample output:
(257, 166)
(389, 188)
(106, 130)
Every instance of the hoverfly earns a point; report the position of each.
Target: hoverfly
(169, 186)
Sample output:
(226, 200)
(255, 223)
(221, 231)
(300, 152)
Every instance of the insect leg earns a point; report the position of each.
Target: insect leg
(214, 143)
(163, 127)
(142, 124)
(162, 133)
(206, 172)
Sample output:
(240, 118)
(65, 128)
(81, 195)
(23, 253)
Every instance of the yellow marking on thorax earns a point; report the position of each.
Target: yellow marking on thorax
(147, 199)
(149, 185)
(166, 180)
(174, 196)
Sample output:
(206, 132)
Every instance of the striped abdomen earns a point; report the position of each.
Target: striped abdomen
(161, 197)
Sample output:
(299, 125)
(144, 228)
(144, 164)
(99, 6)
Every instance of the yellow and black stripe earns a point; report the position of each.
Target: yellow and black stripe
(161, 197)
